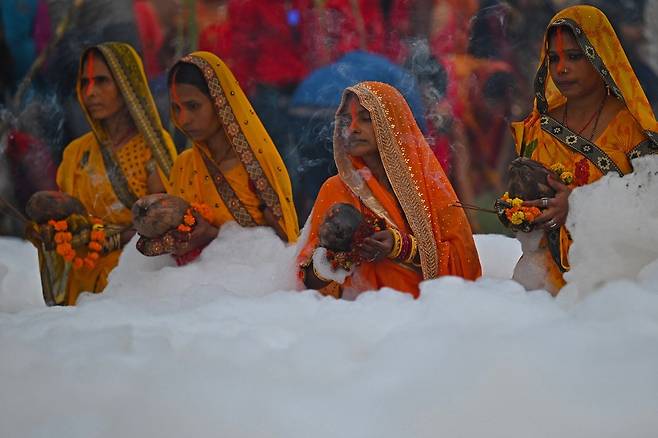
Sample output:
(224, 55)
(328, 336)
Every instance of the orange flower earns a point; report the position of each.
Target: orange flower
(89, 263)
(184, 228)
(59, 225)
(188, 219)
(95, 246)
(63, 237)
(98, 235)
(93, 256)
(63, 248)
(77, 263)
(204, 210)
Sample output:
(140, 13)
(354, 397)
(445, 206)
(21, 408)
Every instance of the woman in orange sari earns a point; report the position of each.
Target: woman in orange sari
(233, 166)
(389, 174)
(591, 118)
(126, 155)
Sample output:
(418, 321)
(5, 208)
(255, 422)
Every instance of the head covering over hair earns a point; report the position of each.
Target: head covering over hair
(421, 187)
(598, 41)
(126, 67)
(252, 144)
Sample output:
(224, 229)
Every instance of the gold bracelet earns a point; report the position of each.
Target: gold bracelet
(397, 244)
(318, 276)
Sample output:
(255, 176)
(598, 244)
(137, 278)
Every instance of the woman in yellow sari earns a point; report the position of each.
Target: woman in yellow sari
(591, 117)
(126, 155)
(388, 173)
(233, 166)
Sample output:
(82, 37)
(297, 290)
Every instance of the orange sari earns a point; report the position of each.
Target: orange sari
(632, 133)
(421, 205)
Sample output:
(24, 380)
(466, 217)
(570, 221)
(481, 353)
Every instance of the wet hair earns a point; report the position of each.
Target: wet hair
(188, 74)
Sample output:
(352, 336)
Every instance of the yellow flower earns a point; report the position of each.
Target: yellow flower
(517, 218)
(557, 168)
(567, 177)
(516, 202)
(505, 196)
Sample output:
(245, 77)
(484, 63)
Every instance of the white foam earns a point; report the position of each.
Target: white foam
(223, 347)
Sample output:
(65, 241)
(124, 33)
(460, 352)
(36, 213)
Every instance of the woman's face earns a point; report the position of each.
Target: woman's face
(194, 112)
(356, 128)
(573, 73)
(100, 94)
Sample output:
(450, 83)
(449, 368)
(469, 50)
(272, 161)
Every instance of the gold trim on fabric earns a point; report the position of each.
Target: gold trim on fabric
(236, 137)
(228, 195)
(117, 179)
(406, 190)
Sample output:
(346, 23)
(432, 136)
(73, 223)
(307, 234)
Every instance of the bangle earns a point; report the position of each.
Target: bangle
(405, 248)
(397, 244)
(318, 276)
(413, 251)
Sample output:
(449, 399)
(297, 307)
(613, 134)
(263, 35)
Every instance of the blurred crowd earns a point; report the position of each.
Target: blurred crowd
(465, 66)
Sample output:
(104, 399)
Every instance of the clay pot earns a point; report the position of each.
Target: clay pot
(46, 205)
(154, 215)
(339, 226)
(527, 180)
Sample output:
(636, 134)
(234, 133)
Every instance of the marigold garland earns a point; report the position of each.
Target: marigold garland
(348, 259)
(517, 214)
(189, 221)
(562, 173)
(63, 239)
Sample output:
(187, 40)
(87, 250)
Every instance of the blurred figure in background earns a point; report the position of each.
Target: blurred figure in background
(215, 28)
(651, 33)
(151, 35)
(627, 16)
(269, 57)
(376, 26)
(17, 19)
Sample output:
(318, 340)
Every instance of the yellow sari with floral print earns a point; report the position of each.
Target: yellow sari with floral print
(108, 182)
(632, 133)
(260, 180)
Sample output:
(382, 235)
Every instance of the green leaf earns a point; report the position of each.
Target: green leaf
(529, 148)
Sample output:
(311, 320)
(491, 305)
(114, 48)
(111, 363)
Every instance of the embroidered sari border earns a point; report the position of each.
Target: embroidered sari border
(406, 189)
(581, 145)
(117, 178)
(134, 90)
(228, 195)
(237, 137)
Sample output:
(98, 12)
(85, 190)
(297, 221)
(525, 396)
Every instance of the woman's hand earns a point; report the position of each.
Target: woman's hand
(201, 235)
(377, 246)
(554, 210)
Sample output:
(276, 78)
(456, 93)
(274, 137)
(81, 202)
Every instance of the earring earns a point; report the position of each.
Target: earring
(607, 89)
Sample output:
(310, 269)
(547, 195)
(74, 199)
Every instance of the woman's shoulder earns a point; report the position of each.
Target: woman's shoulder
(79, 145)
(333, 183)
(184, 157)
(81, 142)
